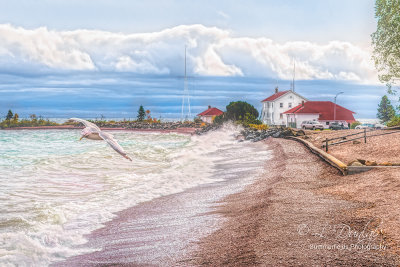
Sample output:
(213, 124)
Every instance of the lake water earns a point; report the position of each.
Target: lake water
(55, 189)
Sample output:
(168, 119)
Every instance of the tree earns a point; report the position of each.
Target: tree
(9, 115)
(355, 124)
(15, 118)
(385, 110)
(238, 111)
(141, 113)
(386, 40)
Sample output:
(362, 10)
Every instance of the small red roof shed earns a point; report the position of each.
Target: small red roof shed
(211, 112)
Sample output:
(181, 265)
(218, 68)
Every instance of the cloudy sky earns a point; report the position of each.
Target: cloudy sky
(56, 49)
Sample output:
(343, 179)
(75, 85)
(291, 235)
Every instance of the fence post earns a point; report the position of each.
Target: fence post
(365, 135)
(326, 144)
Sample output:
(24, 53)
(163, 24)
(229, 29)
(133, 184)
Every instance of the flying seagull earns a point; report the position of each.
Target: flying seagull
(94, 133)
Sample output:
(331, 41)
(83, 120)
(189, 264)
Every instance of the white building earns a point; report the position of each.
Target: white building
(274, 106)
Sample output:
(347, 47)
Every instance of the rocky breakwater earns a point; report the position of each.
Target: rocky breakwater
(207, 128)
(254, 135)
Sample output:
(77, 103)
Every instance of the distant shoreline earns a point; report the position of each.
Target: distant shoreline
(183, 130)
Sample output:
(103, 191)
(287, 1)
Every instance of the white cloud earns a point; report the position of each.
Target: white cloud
(211, 51)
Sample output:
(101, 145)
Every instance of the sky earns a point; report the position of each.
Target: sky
(52, 51)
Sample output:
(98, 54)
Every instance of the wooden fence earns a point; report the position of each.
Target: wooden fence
(344, 138)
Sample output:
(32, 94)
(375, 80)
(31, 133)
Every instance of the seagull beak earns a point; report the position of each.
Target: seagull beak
(81, 137)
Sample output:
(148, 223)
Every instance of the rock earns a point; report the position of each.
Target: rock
(276, 135)
(362, 161)
(386, 163)
(305, 137)
(355, 163)
(300, 133)
(356, 142)
(370, 163)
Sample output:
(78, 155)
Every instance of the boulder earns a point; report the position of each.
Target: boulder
(300, 133)
(355, 163)
(370, 163)
(276, 135)
(362, 161)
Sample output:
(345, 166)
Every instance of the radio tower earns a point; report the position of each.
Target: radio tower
(185, 97)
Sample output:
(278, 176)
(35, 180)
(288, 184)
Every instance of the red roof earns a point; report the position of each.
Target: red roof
(325, 109)
(275, 96)
(211, 112)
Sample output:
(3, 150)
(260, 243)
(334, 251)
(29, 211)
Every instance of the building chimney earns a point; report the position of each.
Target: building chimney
(302, 103)
(209, 106)
(276, 90)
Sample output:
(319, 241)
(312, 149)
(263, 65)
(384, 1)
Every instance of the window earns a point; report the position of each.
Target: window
(327, 123)
(291, 97)
(281, 116)
(281, 105)
(290, 105)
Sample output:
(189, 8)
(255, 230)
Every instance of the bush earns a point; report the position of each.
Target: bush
(395, 121)
(219, 119)
(258, 126)
(241, 111)
(355, 124)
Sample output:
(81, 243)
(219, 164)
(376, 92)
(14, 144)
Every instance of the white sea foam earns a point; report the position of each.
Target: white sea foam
(54, 189)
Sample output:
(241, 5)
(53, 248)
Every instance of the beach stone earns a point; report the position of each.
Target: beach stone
(276, 135)
(306, 137)
(362, 161)
(300, 133)
(355, 163)
(370, 163)
(356, 142)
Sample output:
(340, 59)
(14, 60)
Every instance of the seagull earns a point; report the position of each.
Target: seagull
(93, 132)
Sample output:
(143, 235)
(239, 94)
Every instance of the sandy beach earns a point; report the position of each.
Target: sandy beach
(298, 212)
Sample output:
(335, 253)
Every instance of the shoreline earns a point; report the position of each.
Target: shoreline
(294, 214)
(166, 230)
(183, 130)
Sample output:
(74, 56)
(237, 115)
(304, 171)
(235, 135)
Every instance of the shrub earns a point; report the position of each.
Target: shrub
(395, 121)
(355, 124)
(258, 126)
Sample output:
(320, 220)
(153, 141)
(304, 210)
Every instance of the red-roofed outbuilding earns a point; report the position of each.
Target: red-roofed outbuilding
(209, 114)
(325, 112)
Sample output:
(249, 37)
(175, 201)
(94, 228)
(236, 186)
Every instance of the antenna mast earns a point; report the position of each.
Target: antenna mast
(294, 73)
(185, 95)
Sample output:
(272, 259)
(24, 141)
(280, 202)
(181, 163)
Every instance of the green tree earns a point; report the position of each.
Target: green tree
(33, 118)
(9, 115)
(16, 118)
(355, 124)
(141, 113)
(386, 40)
(240, 110)
(385, 110)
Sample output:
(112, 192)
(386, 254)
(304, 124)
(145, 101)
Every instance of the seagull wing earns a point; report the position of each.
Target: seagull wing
(92, 126)
(114, 144)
